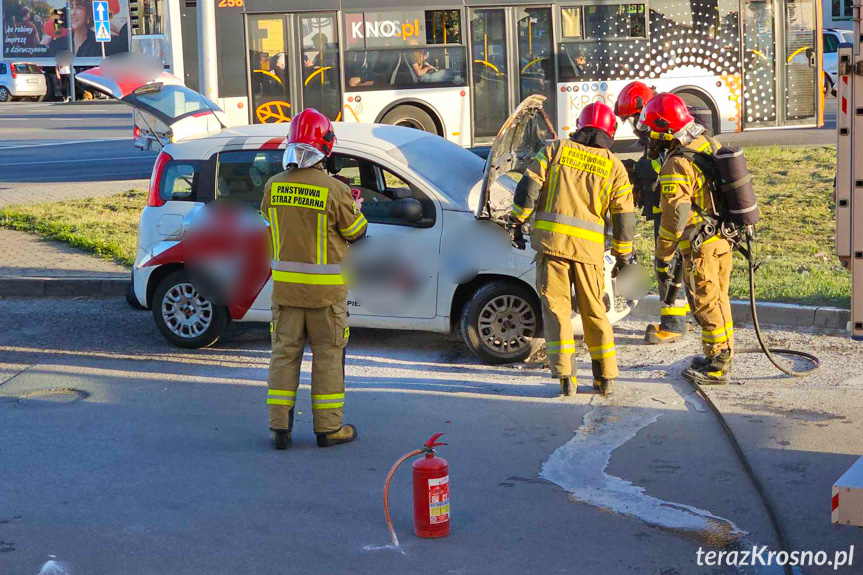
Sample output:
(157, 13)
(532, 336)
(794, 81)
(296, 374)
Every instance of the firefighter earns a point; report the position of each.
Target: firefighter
(572, 185)
(684, 193)
(644, 174)
(312, 219)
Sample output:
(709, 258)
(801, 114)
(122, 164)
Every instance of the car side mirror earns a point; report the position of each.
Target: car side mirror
(407, 209)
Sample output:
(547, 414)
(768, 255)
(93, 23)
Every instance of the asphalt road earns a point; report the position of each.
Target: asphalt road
(121, 454)
(91, 141)
(81, 142)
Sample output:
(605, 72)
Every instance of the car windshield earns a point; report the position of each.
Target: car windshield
(173, 101)
(447, 166)
(847, 36)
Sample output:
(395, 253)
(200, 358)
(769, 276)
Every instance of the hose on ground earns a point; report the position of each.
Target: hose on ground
(392, 472)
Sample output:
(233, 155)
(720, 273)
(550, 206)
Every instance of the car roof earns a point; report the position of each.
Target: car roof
(381, 136)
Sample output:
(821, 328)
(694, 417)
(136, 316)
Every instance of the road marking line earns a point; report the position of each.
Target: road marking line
(109, 159)
(64, 143)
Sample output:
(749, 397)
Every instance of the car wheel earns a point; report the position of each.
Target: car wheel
(183, 316)
(501, 321)
(5, 96)
(410, 117)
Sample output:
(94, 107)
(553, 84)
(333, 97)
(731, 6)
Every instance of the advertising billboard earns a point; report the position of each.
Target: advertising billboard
(29, 31)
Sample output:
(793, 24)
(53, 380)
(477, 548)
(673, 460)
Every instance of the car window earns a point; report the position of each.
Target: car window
(241, 174)
(384, 193)
(180, 182)
(831, 43)
(171, 102)
(3, 69)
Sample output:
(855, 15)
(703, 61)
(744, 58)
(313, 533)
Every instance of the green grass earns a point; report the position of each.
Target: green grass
(107, 227)
(795, 235)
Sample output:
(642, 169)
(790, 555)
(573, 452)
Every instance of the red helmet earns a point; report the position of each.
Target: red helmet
(598, 115)
(313, 128)
(632, 99)
(667, 116)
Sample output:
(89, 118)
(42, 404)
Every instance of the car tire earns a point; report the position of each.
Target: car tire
(185, 318)
(829, 87)
(502, 322)
(5, 96)
(410, 117)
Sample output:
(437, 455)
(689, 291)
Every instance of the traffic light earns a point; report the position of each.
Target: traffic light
(60, 19)
(135, 21)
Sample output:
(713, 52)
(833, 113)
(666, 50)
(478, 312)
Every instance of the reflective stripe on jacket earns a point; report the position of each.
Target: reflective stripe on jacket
(571, 188)
(312, 218)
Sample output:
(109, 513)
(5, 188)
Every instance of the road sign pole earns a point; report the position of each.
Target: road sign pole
(72, 50)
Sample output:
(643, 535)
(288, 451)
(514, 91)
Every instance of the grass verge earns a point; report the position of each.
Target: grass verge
(106, 226)
(795, 236)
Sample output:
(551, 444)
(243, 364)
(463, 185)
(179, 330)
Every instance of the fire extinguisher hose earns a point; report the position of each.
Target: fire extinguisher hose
(769, 351)
(392, 472)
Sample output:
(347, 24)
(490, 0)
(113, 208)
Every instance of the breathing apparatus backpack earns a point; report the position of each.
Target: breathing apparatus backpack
(735, 207)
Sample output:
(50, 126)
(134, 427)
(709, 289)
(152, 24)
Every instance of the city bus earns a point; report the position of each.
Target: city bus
(459, 69)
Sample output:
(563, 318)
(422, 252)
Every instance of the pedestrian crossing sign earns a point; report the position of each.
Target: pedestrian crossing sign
(103, 32)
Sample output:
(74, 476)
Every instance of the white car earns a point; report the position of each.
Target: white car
(497, 310)
(832, 39)
(22, 81)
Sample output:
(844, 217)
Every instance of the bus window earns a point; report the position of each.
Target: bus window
(268, 63)
(320, 62)
(536, 63)
(614, 45)
(426, 51)
(490, 90)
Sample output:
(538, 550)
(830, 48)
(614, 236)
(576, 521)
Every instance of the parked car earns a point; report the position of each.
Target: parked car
(833, 37)
(22, 81)
(456, 189)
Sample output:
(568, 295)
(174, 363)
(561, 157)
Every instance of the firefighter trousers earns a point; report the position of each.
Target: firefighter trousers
(555, 277)
(708, 275)
(672, 317)
(326, 331)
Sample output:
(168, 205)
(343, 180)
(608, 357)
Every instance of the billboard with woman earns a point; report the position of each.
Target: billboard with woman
(29, 30)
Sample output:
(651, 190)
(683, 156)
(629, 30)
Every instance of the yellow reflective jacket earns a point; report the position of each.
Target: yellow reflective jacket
(682, 183)
(312, 219)
(571, 187)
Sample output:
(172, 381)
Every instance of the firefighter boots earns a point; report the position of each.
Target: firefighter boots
(603, 385)
(345, 434)
(567, 387)
(714, 370)
(281, 439)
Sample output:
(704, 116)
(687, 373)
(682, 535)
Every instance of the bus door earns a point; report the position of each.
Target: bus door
(780, 62)
(512, 58)
(293, 64)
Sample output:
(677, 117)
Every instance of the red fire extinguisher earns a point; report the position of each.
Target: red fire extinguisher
(431, 492)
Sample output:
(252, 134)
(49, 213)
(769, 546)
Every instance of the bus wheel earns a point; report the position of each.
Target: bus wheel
(696, 100)
(410, 117)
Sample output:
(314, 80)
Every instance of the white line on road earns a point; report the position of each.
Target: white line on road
(109, 159)
(66, 143)
(100, 177)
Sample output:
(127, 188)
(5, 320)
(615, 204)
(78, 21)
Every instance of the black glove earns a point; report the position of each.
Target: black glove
(516, 232)
(622, 262)
(663, 272)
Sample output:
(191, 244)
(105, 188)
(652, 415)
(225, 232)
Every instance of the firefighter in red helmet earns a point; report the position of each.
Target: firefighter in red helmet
(644, 174)
(684, 196)
(569, 188)
(313, 218)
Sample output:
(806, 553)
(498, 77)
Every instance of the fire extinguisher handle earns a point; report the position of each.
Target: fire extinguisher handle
(433, 441)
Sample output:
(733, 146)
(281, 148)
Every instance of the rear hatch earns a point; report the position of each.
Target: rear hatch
(519, 140)
(165, 110)
(29, 75)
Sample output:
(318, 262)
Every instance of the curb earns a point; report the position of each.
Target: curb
(63, 287)
(784, 314)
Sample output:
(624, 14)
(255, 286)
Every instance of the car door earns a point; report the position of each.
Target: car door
(395, 268)
(165, 110)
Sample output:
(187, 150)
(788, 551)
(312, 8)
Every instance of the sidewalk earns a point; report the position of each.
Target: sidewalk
(30, 265)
